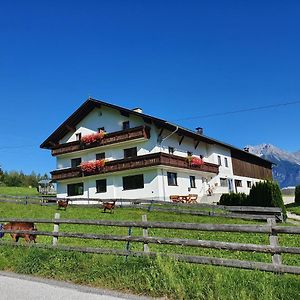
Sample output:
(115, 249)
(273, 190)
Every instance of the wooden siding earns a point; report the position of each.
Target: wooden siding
(110, 138)
(142, 161)
(247, 165)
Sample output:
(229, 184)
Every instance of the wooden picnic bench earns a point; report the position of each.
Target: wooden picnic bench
(190, 198)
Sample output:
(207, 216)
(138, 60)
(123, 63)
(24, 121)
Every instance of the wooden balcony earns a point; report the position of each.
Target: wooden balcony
(110, 138)
(143, 161)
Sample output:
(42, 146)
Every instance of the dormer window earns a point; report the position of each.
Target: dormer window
(126, 125)
(78, 136)
(171, 150)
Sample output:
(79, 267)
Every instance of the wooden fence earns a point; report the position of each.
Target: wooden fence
(270, 228)
(200, 209)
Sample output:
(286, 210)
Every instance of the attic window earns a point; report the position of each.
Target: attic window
(126, 125)
(78, 136)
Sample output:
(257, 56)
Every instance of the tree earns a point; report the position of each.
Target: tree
(266, 193)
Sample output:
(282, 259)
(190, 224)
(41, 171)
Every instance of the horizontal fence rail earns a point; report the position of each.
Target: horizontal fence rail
(168, 225)
(234, 263)
(270, 228)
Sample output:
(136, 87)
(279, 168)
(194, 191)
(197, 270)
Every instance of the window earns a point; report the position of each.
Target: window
(75, 162)
(249, 184)
(226, 162)
(130, 152)
(223, 182)
(100, 156)
(133, 182)
(75, 189)
(78, 136)
(101, 129)
(126, 125)
(171, 150)
(219, 160)
(172, 178)
(101, 186)
(189, 153)
(193, 181)
(238, 183)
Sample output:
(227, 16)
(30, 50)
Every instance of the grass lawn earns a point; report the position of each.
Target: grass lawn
(17, 191)
(154, 277)
(294, 208)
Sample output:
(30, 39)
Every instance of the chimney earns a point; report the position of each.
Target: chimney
(138, 110)
(199, 130)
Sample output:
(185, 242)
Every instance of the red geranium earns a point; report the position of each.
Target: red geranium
(92, 166)
(196, 161)
(94, 137)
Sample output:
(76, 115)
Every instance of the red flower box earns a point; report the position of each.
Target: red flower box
(196, 161)
(92, 166)
(94, 137)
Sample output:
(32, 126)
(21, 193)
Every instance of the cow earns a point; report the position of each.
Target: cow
(109, 206)
(20, 226)
(62, 204)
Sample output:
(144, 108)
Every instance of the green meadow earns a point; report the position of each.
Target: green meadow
(160, 277)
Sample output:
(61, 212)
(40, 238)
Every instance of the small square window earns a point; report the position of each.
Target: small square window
(75, 162)
(171, 150)
(100, 156)
(193, 181)
(238, 183)
(223, 182)
(172, 178)
(130, 152)
(126, 125)
(101, 186)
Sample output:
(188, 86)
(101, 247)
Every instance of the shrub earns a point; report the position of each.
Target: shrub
(234, 199)
(297, 194)
(268, 194)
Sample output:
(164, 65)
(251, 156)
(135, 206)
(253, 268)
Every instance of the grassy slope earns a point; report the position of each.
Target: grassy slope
(153, 277)
(294, 208)
(17, 191)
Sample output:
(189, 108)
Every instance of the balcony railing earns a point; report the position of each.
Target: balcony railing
(137, 162)
(110, 138)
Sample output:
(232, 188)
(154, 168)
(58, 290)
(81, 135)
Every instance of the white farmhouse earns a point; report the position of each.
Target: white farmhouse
(144, 157)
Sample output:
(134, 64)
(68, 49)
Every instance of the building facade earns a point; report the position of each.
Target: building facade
(141, 156)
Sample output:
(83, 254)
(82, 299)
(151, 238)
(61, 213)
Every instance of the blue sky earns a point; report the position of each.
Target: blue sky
(175, 59)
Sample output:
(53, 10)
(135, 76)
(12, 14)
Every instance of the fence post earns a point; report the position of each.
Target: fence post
(128, 243)
(55, 229)
(276, 258)
(145, 233)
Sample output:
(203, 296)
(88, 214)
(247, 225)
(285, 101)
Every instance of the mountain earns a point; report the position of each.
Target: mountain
(287, 168)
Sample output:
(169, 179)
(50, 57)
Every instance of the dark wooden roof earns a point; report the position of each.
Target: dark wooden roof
(91, 104)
